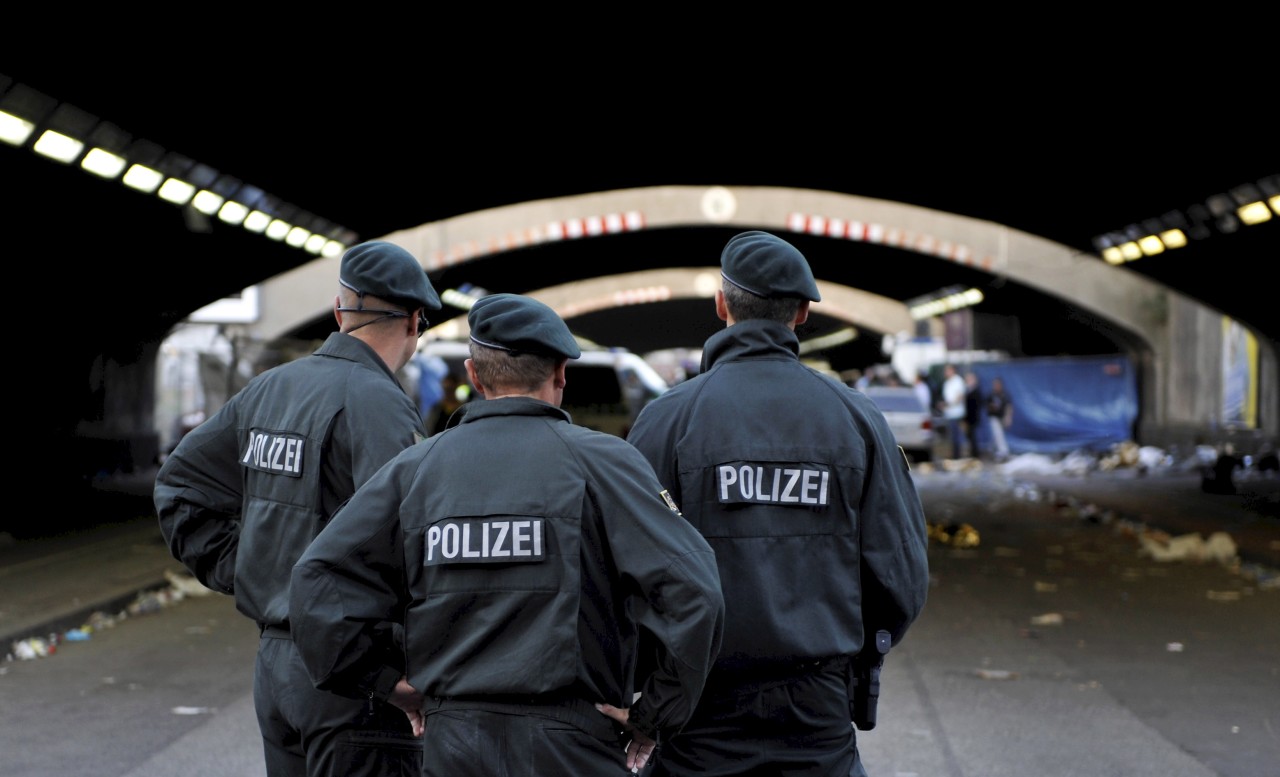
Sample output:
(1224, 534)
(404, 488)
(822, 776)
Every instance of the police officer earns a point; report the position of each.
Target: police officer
(798, 485)
(545, 576)
(246, 491)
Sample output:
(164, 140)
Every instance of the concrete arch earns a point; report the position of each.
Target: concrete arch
(1179, 393)
(853, 306)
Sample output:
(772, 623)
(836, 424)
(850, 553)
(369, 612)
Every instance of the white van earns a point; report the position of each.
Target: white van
(604, 390)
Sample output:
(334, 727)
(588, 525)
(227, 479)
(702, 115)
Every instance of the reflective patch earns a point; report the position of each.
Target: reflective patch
(800, 485)
(279, 454)
(666, 496)
(484, 541)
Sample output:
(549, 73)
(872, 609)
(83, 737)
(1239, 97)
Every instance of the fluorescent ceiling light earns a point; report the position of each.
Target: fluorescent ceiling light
(104, 163)
(1253, 213)
(277, 229)
(257, 221)
(15, 130)
(297, 237)
(1151, 245)
(207, 202)
(331, 249)
(57, 146)
(315, 243)
(143, 178)
(1173, 238)
(1112, 255)
(176, 191)
(232, 212)
(1130, 251)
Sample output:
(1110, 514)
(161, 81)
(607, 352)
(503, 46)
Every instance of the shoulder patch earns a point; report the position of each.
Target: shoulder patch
(666, 497)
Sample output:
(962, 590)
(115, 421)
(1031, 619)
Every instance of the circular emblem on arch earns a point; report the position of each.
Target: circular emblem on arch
(719, 204)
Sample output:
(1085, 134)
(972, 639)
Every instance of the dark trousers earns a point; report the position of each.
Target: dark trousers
(484, 738)
(798, 727)
(312, 733)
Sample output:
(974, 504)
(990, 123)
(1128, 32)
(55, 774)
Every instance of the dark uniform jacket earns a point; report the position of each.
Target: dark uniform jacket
(796, 481)
(532, 557)
(247, 490)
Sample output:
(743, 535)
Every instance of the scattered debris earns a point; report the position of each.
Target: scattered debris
(996, 674)
(959, 535)
(147, 602)
(1048, 619)
(1188, 547)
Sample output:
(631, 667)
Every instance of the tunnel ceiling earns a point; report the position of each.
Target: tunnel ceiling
(401, 151)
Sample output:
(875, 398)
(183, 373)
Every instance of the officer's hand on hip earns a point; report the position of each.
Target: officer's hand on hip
(407, 698)
(640, 747)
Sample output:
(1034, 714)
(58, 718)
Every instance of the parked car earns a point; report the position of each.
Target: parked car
(910, 420)
(605, 389)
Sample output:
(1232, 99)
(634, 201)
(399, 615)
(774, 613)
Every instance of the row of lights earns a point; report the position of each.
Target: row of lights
(69, 135)
(943, 301)
(1247, 205)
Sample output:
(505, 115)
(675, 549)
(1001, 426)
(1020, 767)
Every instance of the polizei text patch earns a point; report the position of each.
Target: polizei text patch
(484, 541)
(773, 483)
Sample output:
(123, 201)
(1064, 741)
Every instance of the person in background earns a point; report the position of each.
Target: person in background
(544, 576)
(923, 392)
(243, 495)
(952, 406)
(432, 371)
(795, 480)
(972, 412)
(999, 407)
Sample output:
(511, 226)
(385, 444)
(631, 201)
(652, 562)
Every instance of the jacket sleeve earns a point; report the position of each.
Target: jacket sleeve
(672, 569)
(347, 591)
(654, 434)
(198, 500)
(895, 566)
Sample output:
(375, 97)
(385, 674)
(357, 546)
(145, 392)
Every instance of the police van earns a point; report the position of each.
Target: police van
(604, 389)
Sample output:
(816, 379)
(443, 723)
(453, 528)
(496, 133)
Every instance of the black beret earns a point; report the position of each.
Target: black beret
(388, 271)
(767, 266)
(520, 324)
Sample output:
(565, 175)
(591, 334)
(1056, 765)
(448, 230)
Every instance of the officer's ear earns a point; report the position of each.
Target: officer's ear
(802, 315)
(471, 375)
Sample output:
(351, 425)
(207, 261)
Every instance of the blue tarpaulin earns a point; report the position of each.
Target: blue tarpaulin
(1064, 404)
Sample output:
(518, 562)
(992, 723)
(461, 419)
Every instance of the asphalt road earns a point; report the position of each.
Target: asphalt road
(1053, 646)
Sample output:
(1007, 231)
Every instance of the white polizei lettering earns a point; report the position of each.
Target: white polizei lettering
(467, 550)
(449, 542)
(293, 456)
(433, 541)
(787, 495)
(537, 538)
(728, 476)
(248, 452)
(769, 484)
(520, 538)
(503, 527)
(806, 490)
(277, 450)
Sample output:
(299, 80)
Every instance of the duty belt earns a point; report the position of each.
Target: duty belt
(274, 631)
(578, 712)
